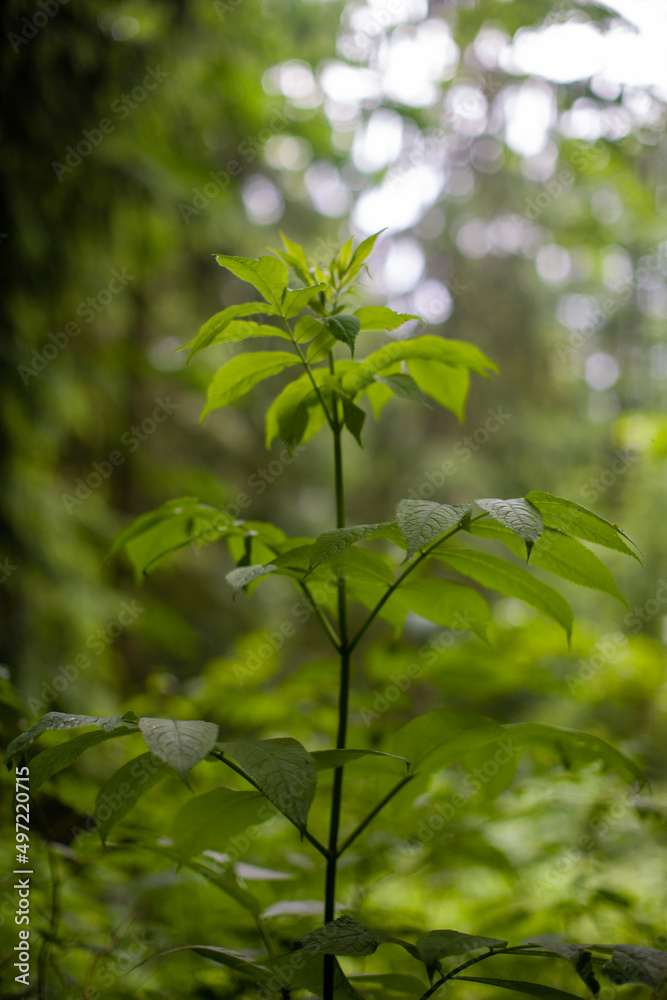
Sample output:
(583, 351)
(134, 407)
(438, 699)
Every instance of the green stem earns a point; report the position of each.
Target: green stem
(399, 580)
(305, 364)
(373, 813)
(343, 708)
(324, 621)
(239, 770)
(519, 949)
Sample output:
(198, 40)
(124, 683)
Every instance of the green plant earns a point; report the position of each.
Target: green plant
(338, 576)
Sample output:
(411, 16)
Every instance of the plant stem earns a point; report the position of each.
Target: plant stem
(305, 364)
(343, 707)
(324, 621)
(466, 965)
(399, 580)
(373, 813)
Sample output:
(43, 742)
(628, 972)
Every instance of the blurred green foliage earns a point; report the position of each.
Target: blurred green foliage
(119, 246)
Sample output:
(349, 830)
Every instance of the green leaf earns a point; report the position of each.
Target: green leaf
(343, 936)
(356, 563)
(222, 327)
(559, 554)
(301, 970)
(297, 260)
(326, 759)
(491, 782)
(518, 515)
(631, 963)
(422, 521)
(344, 328)
(60, 720)
(179, 743)
(241, 374)
(55, 759)
(441, 944)
(353, 417)
(381, 318)
(297, 300)
(404, 387)
(343, 258)
(243, 575)
(429, 348)
(446, 384)
(209, 821)
(331, 544)
(268, 275)
(444, 602)
(283, 770)
(570, 518)
(296, 414)
(226, 880)
(441, 737)
(177, 523)
(124, 788)
(576, 954)
(573, 748)
(221, 956)
(364, 250)
(308, 327)
(513, 581)
(318, 348)
(532, 989)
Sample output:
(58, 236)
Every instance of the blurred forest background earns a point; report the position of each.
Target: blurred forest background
(515, 152)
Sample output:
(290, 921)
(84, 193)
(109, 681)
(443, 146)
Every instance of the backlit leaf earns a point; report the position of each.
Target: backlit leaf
(571, 518)
(381, 318)
(221, 328)
(446, 384)
(513, 581)
(242, 373)
(439, 738)
(267, 274)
